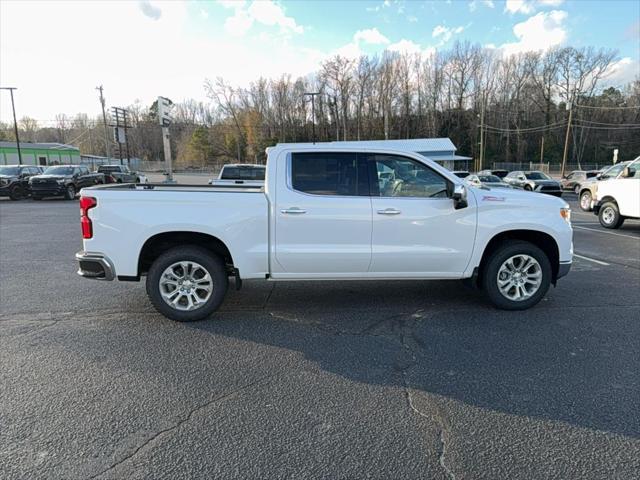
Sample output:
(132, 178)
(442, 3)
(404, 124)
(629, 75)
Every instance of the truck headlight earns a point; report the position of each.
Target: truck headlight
(566, 214)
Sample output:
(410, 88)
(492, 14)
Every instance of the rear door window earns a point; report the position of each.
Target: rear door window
(330, 173)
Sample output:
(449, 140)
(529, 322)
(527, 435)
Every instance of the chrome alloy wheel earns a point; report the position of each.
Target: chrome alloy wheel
(519, 277)
(186, 285)
(608, 215)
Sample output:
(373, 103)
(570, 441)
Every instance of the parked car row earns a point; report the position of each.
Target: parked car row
(18, 182)
(533, 181)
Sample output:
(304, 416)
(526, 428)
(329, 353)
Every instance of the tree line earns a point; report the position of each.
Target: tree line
(516, 107)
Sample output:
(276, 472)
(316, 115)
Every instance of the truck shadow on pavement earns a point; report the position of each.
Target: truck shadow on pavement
(551, 362)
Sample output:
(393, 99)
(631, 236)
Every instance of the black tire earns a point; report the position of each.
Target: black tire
(70, 192)
(576, 189)
(528, 188)
(501, 255)
(585, 201)
(137, 180)
(212, 263)
(17, 192)
(609, 215)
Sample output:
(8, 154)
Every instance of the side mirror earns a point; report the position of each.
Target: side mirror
(629, 172)
(459, 196)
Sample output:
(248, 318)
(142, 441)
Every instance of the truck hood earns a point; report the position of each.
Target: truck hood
(493, 196)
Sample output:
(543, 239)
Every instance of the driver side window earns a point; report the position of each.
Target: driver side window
(403, 177)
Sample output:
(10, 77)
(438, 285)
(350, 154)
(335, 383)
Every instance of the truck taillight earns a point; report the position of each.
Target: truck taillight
(86, 204)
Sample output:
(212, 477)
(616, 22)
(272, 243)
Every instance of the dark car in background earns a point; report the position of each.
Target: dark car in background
(63, 181)
(14, 180)
(575, 178)
(534, 181)
(498, 173)
(118, 174)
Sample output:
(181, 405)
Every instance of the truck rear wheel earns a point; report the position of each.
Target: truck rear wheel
(70, 193)
(517, 276)
(187, 283)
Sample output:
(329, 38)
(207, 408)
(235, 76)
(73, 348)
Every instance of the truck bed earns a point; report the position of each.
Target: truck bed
(128, 215)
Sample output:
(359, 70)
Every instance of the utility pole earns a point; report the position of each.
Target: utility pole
(313, 112)
(15, 122)
(542, 150)
(104, 120)
(566, 141)
(481, 137)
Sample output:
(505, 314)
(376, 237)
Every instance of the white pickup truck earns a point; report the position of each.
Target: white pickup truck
(618, 198)
(325, 213)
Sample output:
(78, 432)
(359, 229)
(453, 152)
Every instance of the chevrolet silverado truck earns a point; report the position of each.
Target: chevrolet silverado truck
(14, 180)
(325, 213)
(619, 198)
(63, 181)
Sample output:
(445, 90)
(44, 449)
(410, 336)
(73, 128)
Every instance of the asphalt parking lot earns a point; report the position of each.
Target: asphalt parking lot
(332, 380)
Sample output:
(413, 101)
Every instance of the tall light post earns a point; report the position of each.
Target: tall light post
(313, 112)
(15, 122)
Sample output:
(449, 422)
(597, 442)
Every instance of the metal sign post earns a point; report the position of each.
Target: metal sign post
(164, 119)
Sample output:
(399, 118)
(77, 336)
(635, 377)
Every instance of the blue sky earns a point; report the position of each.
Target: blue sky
(170, 48)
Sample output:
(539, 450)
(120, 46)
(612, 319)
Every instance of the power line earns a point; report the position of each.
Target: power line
(606, 108)
(528, 130)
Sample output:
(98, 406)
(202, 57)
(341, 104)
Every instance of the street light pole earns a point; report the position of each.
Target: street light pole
(15, 122)
(313, 112)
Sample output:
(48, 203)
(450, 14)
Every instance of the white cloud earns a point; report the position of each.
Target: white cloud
(488, 3)
(265, 12)
(473, 5)
(269, 13)
(412, 18)
(445, 33)
(539, 32)
(239, 23)
(405, 46)
(623, 71)
(529, 6)
(370, 35)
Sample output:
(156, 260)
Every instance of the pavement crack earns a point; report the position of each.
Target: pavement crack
(436, 416)
(178, 424)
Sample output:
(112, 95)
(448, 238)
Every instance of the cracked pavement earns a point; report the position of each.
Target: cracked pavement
(313, 380)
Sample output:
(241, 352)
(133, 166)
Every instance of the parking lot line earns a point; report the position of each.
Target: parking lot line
(599, 262)
(609, 233)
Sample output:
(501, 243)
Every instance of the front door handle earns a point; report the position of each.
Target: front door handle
(389, 211)
(294, 210)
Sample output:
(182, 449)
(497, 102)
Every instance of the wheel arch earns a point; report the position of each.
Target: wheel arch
(542, 240)
(155, 245)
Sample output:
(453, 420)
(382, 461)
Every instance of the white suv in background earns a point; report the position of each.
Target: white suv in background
(619, 198)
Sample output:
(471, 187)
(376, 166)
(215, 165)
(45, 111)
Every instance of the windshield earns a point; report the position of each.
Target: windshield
(615, 170)
(59, 171)
(489, 179)
(9, 171)
(461, 174)
(537, 176)
(242, 173)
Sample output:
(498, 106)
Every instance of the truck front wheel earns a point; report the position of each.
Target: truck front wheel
(609, 216)
(516, 276)
(187, 283)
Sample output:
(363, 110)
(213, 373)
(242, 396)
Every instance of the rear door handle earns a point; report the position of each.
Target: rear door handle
(294, 210)
(389, 211)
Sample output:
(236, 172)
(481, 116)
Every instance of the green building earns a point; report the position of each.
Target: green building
(42, 154)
